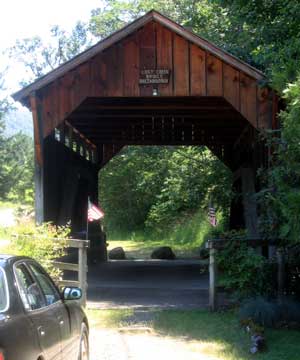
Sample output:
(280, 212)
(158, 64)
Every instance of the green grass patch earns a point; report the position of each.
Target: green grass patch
(143, 250)
(108, 318)
(220, 335)
(185, 239)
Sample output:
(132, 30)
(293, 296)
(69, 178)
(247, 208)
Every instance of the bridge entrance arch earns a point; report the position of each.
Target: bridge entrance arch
(151, 83)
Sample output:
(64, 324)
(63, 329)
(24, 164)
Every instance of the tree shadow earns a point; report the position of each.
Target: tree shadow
(222, 337)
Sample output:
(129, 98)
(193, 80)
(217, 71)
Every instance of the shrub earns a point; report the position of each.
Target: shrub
(243, 270)
(259, 311)
(289, 311)
(36, 241)
(266, 313)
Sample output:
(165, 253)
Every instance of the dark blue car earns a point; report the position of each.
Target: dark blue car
(37, 322)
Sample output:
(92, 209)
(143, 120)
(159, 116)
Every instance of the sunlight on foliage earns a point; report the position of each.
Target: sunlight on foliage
(37, 242)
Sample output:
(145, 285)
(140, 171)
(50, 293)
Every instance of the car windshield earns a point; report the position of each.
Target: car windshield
(3, 291)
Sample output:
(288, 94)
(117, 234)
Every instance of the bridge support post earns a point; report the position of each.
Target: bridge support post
(39, 158)
(212, 278)
(249, 201)
(280, 273)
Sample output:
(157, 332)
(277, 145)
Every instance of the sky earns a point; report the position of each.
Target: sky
(27, 18)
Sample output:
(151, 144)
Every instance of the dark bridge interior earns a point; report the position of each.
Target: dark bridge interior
(159, 121)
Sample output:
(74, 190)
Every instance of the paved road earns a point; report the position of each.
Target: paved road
(135, 284)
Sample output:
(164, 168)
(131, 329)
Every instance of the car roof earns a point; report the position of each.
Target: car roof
(4, 258)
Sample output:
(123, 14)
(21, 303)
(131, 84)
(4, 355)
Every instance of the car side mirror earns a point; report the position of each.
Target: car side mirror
(72, 293)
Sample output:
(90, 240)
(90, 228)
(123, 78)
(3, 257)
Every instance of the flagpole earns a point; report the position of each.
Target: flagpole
(87, 219)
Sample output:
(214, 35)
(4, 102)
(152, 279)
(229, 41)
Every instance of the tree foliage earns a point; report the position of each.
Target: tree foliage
(16, 162)
(153, 188)
(39, 57)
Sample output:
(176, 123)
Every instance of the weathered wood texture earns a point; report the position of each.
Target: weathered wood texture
(69, 179)
(194, 71)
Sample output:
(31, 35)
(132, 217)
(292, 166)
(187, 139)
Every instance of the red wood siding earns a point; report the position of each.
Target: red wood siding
(116, 72)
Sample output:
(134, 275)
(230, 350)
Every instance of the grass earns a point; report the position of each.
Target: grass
(185, 239)
(143, 250)
(108, 318)
(216, 336)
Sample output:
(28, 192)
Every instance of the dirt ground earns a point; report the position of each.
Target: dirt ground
(140, 344)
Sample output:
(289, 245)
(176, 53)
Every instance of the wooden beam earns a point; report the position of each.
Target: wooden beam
(39, 158)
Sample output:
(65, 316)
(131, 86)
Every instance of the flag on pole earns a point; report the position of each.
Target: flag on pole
(212, 216)
(94, 212)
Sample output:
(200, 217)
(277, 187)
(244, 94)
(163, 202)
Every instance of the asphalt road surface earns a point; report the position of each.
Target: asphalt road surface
(148, 283)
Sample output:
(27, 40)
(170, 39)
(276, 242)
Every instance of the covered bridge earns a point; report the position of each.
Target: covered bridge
(151, 83)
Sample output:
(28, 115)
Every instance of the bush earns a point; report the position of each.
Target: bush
(36, 241)
(290, 311)
(266, 313)
(259, 311)
(243, 270)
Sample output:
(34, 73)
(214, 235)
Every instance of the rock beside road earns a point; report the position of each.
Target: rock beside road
(163, 253)
(117, 253)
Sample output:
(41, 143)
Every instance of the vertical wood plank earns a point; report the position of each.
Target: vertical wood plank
(164, 57)
(264, 118)
(131, 67)
(197, 71)
(66, 94)
(97, 75)
(248, 98)
(82, 274)
(46, 100)
(114, 68)
(36, 110)
(55, 103)
(231, 85)
(214, 76)
(181, 66)
(84, 82)
(147, 54)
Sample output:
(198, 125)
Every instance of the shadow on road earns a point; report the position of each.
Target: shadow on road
(148, 283)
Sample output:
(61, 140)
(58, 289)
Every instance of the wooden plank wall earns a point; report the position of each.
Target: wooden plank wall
(194, 72)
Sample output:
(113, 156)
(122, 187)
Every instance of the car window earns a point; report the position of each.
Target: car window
(3, 291)
(30, 292)
(49, 290)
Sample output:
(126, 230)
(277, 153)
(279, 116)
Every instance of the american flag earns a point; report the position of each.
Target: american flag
(212, 216)
(94, 212)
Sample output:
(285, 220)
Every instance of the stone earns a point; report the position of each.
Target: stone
(117, 253)
(163, 253)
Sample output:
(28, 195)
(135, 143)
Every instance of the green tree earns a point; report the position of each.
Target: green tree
(155, 187)
(39, 57)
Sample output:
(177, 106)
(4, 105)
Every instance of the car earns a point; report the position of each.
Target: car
(37, 321)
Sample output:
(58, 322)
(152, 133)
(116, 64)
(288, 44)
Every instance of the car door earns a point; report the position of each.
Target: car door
(69, 343)
(43, 316)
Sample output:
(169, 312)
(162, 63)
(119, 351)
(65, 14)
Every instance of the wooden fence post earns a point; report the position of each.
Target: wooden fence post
(82, 274)
(212, 278)
(280, 273)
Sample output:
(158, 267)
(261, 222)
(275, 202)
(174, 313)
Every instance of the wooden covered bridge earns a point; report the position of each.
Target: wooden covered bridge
(151, 83)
